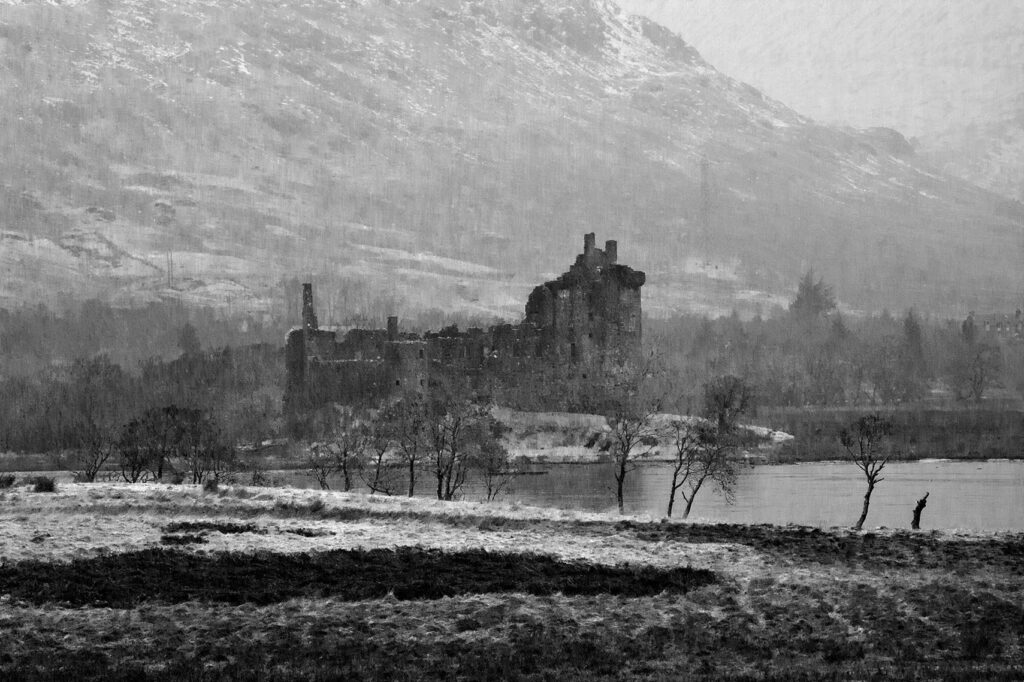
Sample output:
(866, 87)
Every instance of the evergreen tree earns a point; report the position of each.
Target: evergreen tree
(813, 298)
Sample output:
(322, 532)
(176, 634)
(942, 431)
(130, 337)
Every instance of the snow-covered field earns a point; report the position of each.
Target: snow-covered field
(237, 582)
(86, 520)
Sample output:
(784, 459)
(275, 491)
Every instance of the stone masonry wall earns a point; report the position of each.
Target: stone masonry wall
(578, 332)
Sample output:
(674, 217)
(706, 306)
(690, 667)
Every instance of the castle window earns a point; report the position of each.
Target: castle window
(590, 335)
(540, 350)
(572, 351)
(421, 353)
(398, 382)
(423, 382)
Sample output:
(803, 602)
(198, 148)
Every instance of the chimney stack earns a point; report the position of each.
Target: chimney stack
(611, 250)
(308, 313)
(392, 328)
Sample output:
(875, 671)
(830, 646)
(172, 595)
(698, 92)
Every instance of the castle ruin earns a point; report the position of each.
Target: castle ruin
(581, 333)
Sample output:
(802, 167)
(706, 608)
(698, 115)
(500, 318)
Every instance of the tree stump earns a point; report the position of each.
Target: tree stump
(915, 523)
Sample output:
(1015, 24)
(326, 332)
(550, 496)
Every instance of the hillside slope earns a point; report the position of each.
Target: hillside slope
(991, 154)
(445, 153)
(944, 72)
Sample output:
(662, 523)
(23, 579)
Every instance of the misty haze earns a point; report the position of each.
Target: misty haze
(511, 339)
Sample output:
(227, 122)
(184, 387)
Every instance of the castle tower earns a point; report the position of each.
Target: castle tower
(309, 322)
(590, 318)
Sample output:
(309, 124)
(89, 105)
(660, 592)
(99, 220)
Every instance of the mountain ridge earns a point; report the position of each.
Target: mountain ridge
(447, 153)
(945, 73)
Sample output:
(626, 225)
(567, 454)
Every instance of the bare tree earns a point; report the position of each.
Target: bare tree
(348, 445)
(865, 441)
(634, 436)
(457, 430)
(180, 440)
(133, 453)
(701, 455)
(632, 420)
(159, 437)
(89, 460)
(198, 445)
(985, 362)
(321, 464)
(95, 402)
(340, 444)
(974, 368)
(446, 440)
(406, 423)
(379, 470)
(495, 467)
(146, 445)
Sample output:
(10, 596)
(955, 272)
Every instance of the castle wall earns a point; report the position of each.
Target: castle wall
(578, 332)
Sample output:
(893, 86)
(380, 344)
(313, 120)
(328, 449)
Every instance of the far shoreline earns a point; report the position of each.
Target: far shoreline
(15, 463)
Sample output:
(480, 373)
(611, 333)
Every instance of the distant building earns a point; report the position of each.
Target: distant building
(581, 332)
(1003, 326)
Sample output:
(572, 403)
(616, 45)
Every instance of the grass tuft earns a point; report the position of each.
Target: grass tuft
(220, 527)
(44, 484)
(183, 539)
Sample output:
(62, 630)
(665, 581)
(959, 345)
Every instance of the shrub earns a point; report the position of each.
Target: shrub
(259, 477)
(44, 484)
(6, 480)
(211, 485)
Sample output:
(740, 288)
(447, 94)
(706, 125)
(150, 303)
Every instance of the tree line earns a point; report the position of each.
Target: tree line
(812, 355)
(441, 439)
(87, 406)
(35, 337)
(397, 447)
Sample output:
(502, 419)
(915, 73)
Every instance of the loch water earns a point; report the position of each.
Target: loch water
(975, 495)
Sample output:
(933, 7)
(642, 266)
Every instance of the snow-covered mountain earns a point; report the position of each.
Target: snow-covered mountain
(446, 153)
(944, 72)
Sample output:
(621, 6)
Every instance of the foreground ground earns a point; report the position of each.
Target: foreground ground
(111, 581)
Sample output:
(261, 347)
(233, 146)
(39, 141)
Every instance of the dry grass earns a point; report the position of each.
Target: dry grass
(788, 603)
